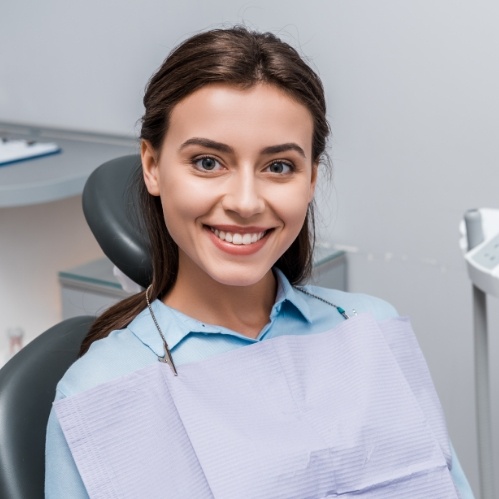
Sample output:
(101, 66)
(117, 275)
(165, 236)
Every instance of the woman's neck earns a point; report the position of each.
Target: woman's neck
(244, 309)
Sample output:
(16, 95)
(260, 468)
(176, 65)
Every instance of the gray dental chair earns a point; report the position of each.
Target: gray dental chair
(28, 380)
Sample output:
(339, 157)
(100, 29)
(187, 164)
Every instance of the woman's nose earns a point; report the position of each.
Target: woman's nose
(243, 195)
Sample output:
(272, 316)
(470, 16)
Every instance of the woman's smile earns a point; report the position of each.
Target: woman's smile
(241, 243)
(239, 236)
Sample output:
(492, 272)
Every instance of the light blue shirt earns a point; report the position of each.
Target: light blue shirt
(139, 345)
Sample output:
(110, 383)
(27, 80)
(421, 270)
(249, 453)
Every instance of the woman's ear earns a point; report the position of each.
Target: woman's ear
(150, 168)
(313, 181)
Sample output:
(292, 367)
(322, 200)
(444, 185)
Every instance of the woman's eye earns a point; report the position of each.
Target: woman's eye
(280, 167)
(207, 164)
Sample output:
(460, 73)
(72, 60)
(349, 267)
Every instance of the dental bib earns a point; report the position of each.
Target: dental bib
(351, 412)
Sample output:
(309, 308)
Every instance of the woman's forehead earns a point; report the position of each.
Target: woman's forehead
(261, 113)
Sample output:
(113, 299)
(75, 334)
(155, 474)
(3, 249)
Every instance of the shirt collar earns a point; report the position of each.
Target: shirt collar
(175, 325)
(288, 293)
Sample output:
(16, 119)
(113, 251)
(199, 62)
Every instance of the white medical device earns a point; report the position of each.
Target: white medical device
(482, 260)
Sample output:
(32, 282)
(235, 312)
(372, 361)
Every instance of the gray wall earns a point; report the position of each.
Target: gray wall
(413, 103)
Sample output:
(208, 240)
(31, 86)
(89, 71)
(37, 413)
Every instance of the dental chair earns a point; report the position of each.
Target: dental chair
(29, 379)
(110, 204)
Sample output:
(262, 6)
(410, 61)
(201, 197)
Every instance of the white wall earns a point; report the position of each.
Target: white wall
(413, 103)
(35, 243)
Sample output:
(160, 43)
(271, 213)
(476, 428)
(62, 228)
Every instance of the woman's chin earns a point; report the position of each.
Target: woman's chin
(242, 278)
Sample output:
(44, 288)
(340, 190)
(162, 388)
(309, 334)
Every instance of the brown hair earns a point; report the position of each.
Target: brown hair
(236, 56)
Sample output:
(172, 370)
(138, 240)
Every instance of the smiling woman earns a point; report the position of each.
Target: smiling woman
(331, 395)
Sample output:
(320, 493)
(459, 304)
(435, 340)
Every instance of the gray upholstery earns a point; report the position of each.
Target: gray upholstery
(110, 207)
(27, 388)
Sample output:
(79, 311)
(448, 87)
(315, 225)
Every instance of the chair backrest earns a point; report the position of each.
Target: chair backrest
(110, 204)
(27, 388)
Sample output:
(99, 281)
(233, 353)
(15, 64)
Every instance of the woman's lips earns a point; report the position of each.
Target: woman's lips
(239, 241)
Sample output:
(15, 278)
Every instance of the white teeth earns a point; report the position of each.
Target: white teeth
(237, 238)
(246, 239)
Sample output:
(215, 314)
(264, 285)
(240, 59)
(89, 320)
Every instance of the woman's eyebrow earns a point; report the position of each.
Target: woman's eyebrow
(290, 146)
(211, 144)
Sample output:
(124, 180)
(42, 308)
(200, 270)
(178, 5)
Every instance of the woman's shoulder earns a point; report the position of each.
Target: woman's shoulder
(355, 303)
(116, 355)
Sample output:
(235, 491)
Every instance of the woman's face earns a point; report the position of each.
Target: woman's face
(235, 175)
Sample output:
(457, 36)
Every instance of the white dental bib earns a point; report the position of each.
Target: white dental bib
(351, 412)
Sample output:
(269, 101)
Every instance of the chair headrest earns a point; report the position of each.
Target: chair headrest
(110, 205)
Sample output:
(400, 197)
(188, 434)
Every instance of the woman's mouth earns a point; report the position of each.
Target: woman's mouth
(237, 238)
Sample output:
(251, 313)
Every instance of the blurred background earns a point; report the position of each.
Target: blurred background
(413, 102)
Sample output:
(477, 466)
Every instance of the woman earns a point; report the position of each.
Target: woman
(233, 134)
